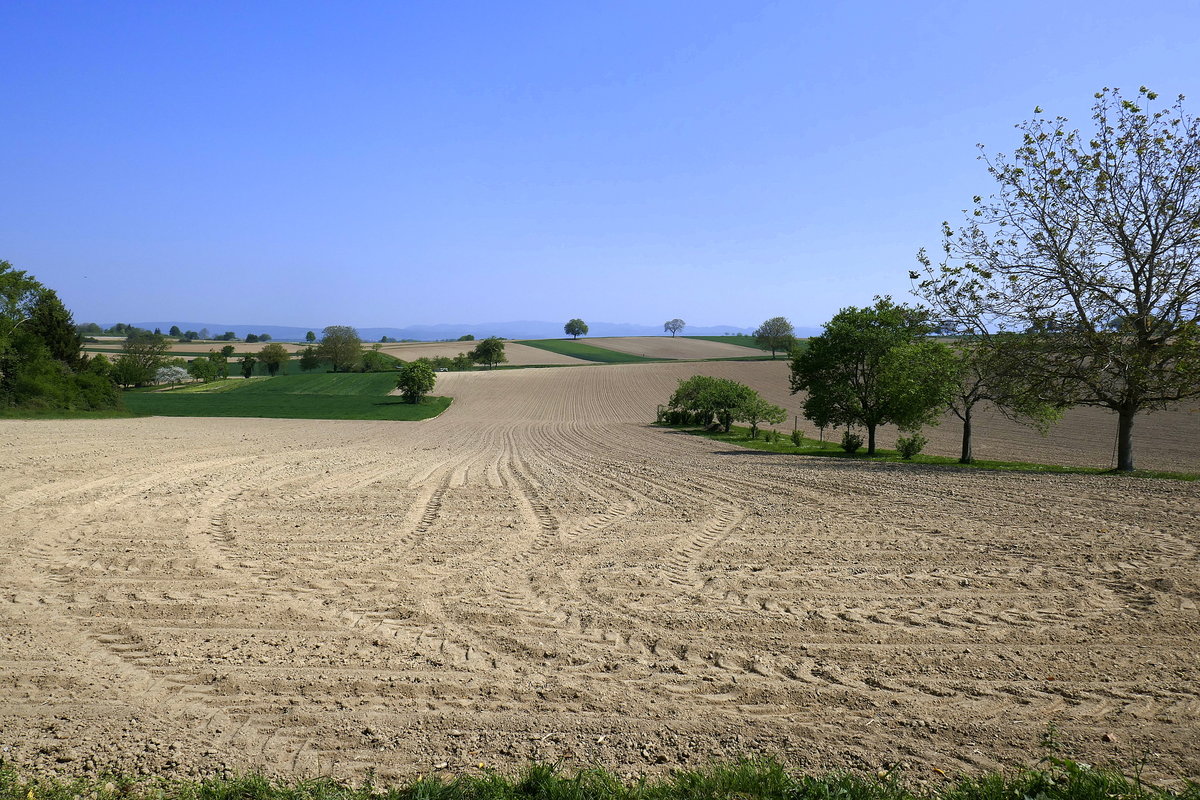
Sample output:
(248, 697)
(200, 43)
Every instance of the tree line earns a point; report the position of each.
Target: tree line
(1077, 283)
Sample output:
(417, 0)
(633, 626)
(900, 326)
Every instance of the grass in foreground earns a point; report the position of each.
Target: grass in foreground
(323, 396)
(1055, 779)
(812, 447)
(586, 352)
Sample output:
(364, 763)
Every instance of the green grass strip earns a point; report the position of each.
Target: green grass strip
(740, 436)
(323, 396)
(587, 352)
(1054, 779)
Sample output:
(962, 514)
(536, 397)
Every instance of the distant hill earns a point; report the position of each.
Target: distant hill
(480, 330)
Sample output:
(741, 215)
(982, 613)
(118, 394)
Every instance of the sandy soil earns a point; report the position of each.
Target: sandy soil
(675, 347)
(519, 354)
(538, 574)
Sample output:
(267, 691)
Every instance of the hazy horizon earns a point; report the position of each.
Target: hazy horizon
(395, 165)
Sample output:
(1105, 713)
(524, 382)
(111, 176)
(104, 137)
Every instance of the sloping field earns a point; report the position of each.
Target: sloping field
(518, 354)
(676, 347)
(537, 574)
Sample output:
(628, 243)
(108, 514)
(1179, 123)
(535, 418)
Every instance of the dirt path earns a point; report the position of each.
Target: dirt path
(539, 575)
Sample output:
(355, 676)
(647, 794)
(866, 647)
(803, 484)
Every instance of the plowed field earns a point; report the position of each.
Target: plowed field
(537, 574)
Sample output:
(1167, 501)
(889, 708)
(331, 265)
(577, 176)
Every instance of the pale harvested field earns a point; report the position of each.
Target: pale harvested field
(675, 347)
(519, 354)
(539, 575)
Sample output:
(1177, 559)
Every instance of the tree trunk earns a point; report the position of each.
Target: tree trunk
(1125, 440)
(870, 440)
(968, 455)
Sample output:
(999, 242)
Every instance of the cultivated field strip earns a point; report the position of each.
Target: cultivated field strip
(540, 574)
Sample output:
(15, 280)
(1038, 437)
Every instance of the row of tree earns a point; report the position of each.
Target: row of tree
(1076, 284)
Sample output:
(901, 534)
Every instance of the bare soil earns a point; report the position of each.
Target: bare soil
(675, 347)
(518, 354)
(539, 574)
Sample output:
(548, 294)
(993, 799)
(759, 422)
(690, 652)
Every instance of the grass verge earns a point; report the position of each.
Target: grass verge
(586, 352)
(1054, 779)
(812, 447)
(324, 396)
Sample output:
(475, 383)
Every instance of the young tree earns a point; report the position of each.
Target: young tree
(274, 356)
(575, 328)
(756, 410)
(674, 326)
(227, 351)
(310, 337)
(489, 352)
(247, 365)
(775, 334)
(1089, 249)
(341, 346)
(309, 360)
(992, 370)
(872, 366)
(415, 381)
(175, 331)
(204, 334)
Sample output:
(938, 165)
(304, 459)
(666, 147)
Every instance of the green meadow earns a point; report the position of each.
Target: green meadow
(311, 396)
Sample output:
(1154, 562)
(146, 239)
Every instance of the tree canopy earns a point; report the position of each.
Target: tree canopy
(273, 356)
(674, 326)
(40, 362)
(706, 398)
(489, 352)
(1090, 249)
(341, 346)
(415, 381)
(873, 366)
(775, 334)
(575, 328)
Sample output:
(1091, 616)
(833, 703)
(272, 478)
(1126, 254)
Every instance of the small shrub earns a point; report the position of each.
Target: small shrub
(797, 438)
(909, 446)
(769, 435)
(851, 441)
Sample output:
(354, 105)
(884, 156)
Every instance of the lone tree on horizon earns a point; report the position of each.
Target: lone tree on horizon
(775, 334)
(674, 326)
(576, 328)
(1090, 250)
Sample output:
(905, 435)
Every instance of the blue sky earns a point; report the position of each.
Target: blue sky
(381, 164)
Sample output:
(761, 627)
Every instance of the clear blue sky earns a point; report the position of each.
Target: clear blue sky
(397, 162)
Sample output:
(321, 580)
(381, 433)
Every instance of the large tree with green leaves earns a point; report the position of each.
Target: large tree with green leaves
(575, 328)
(416, 379)
(775, 334)
(489, 352)
(1090, 249)
(273, 356)
(874, 366)
(341, 346)
(142, 354)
